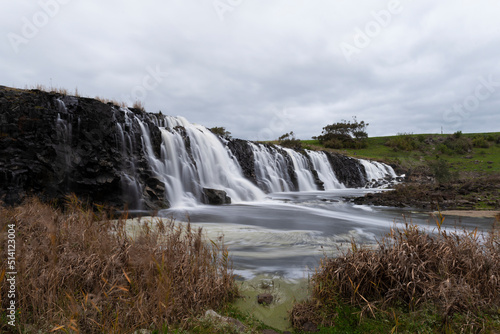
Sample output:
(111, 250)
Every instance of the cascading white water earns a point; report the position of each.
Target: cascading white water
(193, 158)
(324, 168)
(206, 163)
(132, 188)
(301, 166)
(376, 170)
(64, 133)
(271, 169)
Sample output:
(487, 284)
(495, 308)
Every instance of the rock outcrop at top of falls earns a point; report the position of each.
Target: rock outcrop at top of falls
(52, 145)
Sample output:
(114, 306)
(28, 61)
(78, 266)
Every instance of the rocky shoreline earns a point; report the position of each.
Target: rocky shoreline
(476, 192)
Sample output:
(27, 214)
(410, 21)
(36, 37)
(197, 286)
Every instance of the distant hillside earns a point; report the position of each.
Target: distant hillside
(451, 171)
(479, 152)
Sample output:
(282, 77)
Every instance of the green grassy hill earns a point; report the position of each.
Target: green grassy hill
(479, 152)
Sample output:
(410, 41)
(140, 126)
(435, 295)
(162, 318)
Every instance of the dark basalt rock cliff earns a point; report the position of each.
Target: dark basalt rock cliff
(348, 170)
(52, 145)
(244, 155)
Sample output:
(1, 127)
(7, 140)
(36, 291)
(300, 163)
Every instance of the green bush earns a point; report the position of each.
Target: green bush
(348, 134)
(457, 145)
(444, 149)
(441, 171)
(221, 132)
(491, 137)
(480, 142)
(403, 142)
(334, 143)
(289, 140)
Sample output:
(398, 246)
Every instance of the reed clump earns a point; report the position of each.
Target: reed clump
(80, 271)
(455, 273)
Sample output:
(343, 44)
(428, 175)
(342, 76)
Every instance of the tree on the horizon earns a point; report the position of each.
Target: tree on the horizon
(289, 140)
(221, 132)
(344, 134)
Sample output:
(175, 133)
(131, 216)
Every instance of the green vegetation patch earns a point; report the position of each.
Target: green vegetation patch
(463, 152)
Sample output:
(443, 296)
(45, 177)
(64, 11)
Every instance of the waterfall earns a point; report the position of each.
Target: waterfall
(271, 169)
(64, 136)
(324, 169)
(131, 186)
(305, 177)
(376, 170)
(191, 158)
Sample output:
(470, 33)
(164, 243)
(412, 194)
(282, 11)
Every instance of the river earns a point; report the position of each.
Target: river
(287, 234)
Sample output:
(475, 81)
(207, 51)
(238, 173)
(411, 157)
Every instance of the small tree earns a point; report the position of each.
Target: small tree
(441, 171)
(344, 134)
(289, 140)
(221, 132)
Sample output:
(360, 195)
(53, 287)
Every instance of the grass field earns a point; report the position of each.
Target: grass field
(429, 147)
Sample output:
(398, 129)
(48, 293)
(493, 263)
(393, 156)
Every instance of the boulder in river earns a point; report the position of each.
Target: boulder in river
(216, 197)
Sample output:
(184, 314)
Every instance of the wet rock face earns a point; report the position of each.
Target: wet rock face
(216, 197)
(244, 154)
(53, 145)
(348, 170)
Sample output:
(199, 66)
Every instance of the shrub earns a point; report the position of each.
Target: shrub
(345, 132)
(289, 140)
(457, 145)
(403, 142)
(441, 171)
(457, 134)
(221, 132)
(334, 143)
(491, 138)
(480, 142)
(444, 149)
(457, 272)
(82, 272)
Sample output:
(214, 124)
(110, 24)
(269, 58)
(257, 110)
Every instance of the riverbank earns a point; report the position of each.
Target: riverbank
(446, 282)
(476, 193)
(78, 271)
(86, 266)
(467, 213)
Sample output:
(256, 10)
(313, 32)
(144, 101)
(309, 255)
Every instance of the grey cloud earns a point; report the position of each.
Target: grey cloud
(264, 58)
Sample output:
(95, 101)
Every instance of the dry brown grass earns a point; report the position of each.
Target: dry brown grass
(63, 91)
(79, 271)
(114, 102)
(139, 105)
(457, 272)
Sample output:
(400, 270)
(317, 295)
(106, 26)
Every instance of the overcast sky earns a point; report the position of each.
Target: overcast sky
(262, 68)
